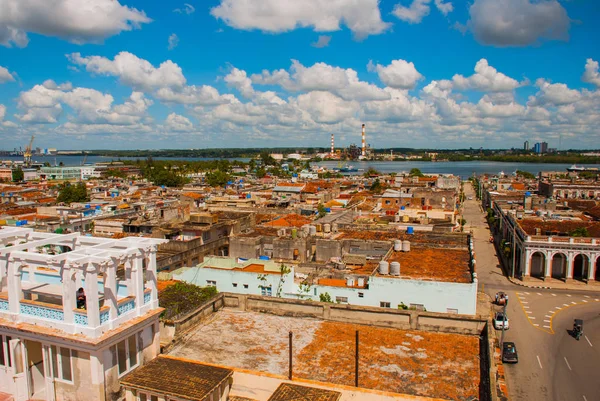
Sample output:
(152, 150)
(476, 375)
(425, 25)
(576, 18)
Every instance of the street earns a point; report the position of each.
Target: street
(552, 364)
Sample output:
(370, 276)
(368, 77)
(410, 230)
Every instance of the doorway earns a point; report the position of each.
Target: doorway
(35, 369)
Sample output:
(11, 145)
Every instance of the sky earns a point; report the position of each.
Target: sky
(133, 74)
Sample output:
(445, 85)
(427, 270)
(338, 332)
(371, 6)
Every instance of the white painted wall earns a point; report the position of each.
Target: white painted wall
(226, 278)
(435, 296)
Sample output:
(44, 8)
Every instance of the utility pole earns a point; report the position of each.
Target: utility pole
(356, 362)
(503, 324)
(290, 361)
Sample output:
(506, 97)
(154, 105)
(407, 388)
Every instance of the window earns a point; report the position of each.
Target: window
(387, 202)
(266, 291)
(384, 304)
(341, 300)
(361, 294)
(4, 351)
(127, 354)
(61, 363)
(234, 285)
(246, 286)
(211, 283)
(146, 397)
(417, 307)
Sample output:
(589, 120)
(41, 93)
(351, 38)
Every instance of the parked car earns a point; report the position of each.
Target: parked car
(500, 320)
(509, 353)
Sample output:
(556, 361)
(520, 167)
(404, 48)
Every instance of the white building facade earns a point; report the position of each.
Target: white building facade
(375, 290)
(49, 348)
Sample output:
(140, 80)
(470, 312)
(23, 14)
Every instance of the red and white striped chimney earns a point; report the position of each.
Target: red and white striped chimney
(364, 142)
(332, 151)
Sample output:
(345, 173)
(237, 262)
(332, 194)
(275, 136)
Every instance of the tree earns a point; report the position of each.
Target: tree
(376, 187)
(217, 178)
(415, 172)
(68, 193)
(525, 174)
(17, 174)
(321, 210)
(115, 173)
(579, 232)
(371, 172)
(325, 297)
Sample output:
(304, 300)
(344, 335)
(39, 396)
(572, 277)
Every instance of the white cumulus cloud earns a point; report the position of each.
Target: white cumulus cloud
(133, 71)
(419, 9)
(518, 22)
(78, 21)
(5, 75)
(363, 17)
(178, 123)
(550, 94)
(400, 74)
(591, 74)
(485, 79)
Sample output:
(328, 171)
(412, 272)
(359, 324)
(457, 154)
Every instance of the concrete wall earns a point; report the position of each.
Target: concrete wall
(82, 387)
(245, 247)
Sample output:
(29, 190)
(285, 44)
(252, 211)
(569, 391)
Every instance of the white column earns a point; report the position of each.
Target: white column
(31, 268)
(14, 286)
(527, 263)
(111, 289)
(137, 279)
(91, 295)
(153, 277)
(548, 272)
(129, 279)
(69, 292)
(591, 266)
(570, 261)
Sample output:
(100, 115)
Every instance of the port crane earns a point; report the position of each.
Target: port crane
(27, 153)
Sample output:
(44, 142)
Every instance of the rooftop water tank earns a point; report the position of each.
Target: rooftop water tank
(361, 282)
(350, 282)
(334, 227)
(327, 227)
(294, 233)
(312, 230)
(384, 267)
(410, 230)
(397, 245)
(395, 268)
(405, 246)
(405, 219)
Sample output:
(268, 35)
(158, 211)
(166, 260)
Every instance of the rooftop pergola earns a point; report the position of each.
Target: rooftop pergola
(62, 263)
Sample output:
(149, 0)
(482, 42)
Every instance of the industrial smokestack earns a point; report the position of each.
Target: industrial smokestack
(332, 142)
(364, 142)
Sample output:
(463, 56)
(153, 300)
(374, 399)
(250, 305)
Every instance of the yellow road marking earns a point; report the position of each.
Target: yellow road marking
(553, 313)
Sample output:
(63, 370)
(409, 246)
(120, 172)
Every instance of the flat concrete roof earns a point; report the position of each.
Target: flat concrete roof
(418, 363)
(435, 264)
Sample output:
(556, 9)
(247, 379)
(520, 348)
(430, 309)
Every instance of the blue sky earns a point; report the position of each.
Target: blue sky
(231, 73)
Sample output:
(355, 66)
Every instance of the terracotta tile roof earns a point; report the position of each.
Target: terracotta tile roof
(177, 377)
(290, 220)
(193, 195)
(294, 392)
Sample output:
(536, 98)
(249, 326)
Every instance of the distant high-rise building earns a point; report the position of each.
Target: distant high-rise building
(541, 147)
(526, 145)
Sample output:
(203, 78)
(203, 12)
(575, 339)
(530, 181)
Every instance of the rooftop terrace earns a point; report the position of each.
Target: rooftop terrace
(435, 264)
(401, 361)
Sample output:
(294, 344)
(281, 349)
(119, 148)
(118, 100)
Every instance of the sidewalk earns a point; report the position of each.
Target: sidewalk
(553, 284)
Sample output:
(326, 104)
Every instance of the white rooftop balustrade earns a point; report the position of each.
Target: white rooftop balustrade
(41, 272)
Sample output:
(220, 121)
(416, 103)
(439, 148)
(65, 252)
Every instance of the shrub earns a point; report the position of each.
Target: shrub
(183, 297)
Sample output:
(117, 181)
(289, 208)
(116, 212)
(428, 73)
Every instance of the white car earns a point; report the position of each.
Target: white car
(500, 320)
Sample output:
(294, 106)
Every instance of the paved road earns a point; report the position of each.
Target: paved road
(539, 319)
